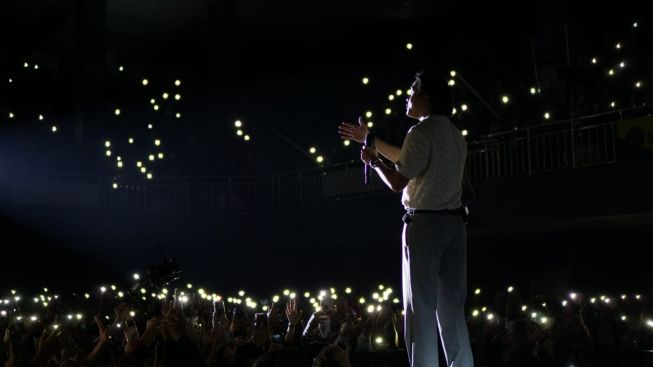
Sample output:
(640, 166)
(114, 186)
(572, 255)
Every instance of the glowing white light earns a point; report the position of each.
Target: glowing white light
(117, 112)
(157, 142)
(594, 60)
(165, 95)
(547, 115)
(11, 115)
(139, 164)
(346, 143)
(238, 123)
(246, 137)
(465, 132)
(613, 104)
(623, 318)
(573, 295)
(177, 97)
(121, 294)
(108, 153)
(451, 83)
(454, 111)
(366, 80)
(370, 308)
(320, 159)
(375, 296)
(635, 25)
(391, 97)
(151, 157)
(409, 46)
(160, 155)
(490, 316)
(26, 65)
(505, 99)
(177, 82)
(534, 314)
(388, 111)
(510, 289)
(533, 90)
(368, 114)
(150, 126)
(275, 299)
(464, 107)
(40, 117)
(564, 303)
(87, 296)
(649, 323)
(143, 169)
(592, 300)
(178, 115)
(145, 82)
(361, 300)
(618, 46)
(36, 67)
(370, 124)
(452, 73)
(477, 291)
(399, 92)
(638, 84)
(156, 107)
(622, 64)
(524, 308)
(54, 129)
(475, 313)
(121, 68)
(544, 320)
(637, 296)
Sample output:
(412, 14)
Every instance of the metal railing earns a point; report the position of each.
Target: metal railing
(570, 144)
(533, 150)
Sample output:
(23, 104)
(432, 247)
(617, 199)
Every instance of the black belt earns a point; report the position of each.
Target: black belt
(460, 212)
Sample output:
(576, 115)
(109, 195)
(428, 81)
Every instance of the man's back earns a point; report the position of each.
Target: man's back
(437, 151)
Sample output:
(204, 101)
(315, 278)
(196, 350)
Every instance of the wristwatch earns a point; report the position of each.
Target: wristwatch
(375, 163)
(370, 140)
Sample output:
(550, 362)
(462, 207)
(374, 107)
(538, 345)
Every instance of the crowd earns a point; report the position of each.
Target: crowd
(141, 326)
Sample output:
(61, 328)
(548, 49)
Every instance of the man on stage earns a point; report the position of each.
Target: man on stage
(428, 168)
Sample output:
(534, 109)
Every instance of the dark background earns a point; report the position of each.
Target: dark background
(291, 71)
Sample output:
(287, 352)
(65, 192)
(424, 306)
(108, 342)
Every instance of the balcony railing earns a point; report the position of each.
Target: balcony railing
(571, 144)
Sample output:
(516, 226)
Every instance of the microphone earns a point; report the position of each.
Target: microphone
(369, 143)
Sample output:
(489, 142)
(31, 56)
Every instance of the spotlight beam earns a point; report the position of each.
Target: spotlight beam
(483, 101)
(292, 144)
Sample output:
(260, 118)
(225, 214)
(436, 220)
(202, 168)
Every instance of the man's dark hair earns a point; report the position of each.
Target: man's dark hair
(435, 87)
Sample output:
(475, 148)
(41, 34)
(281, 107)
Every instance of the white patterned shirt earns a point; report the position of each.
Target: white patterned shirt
(433, 159)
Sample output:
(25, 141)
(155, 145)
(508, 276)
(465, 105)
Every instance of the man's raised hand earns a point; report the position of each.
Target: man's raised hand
(355, 132)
